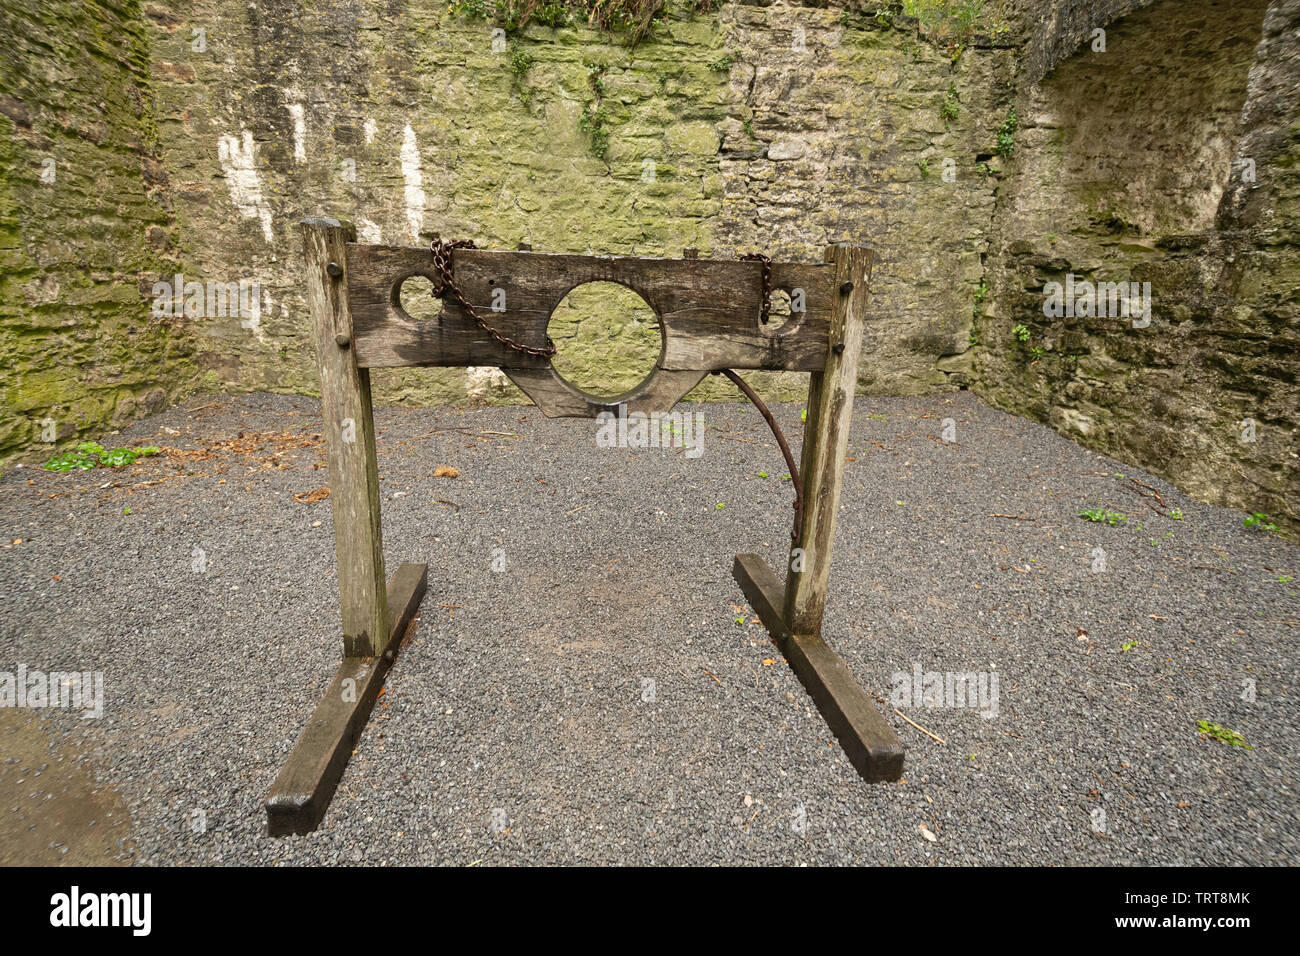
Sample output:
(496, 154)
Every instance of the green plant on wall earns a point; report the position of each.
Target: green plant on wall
(633, 19)
(947, 19)
(520, 63)
(950, 108)
(593, 116)
(1007, 133)
(1023, 334)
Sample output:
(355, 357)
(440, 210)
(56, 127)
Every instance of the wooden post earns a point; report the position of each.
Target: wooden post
(826, 440)
(868, 739)
(349, 441)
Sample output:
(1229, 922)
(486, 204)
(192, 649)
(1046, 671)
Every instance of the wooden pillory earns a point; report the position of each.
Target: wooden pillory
(709, 316)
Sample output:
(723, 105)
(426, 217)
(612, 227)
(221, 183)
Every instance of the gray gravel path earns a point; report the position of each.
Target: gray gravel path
(516, 727)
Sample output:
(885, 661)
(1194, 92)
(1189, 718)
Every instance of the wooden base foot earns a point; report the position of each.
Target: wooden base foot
(302, 791)
(867, 738)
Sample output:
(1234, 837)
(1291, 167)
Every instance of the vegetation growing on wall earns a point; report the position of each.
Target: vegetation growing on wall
(948, 21)
(634, 19)
(594, 115)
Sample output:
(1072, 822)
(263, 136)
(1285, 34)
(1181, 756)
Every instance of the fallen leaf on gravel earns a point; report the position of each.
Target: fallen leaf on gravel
(925, 832)
(446, 471)
(1183, 804)
(311, 497)
(768, 661)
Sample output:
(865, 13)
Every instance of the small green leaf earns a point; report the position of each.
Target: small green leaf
(1219, 732)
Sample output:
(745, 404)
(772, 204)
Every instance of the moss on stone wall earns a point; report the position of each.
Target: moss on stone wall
(1127, 174)
(759, 128)
(191, 136)
(81, 225)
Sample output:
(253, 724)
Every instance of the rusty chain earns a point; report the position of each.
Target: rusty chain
(442, 261)
(765, 312)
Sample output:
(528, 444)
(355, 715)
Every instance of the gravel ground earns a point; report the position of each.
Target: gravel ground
(520, 725)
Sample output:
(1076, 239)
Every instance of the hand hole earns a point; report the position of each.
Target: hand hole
(415, 296)
(607, 338)
(781, 312)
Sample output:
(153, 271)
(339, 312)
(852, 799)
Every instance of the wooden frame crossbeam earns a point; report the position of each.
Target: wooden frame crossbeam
(708, 314)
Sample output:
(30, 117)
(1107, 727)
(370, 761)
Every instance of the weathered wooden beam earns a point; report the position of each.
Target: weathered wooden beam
(556, 398)
(349, 429)
(302, 791)
(708, 308)
(826, 440)
(867, 738)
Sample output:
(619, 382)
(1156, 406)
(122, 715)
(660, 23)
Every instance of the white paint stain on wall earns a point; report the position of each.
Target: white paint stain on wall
(252, 317)
(483, 380)
(368, 230)
(238, 161)
(296, 113)
(414, 194)
(370, 130)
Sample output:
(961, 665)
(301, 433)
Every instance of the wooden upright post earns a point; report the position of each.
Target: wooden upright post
(349, 441)
(826, 440)
(377, 615)
(796, 624)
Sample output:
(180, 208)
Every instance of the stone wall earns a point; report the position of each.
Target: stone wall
(83, 222)
(762, 127)
(1168, 159)
(191, 135)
